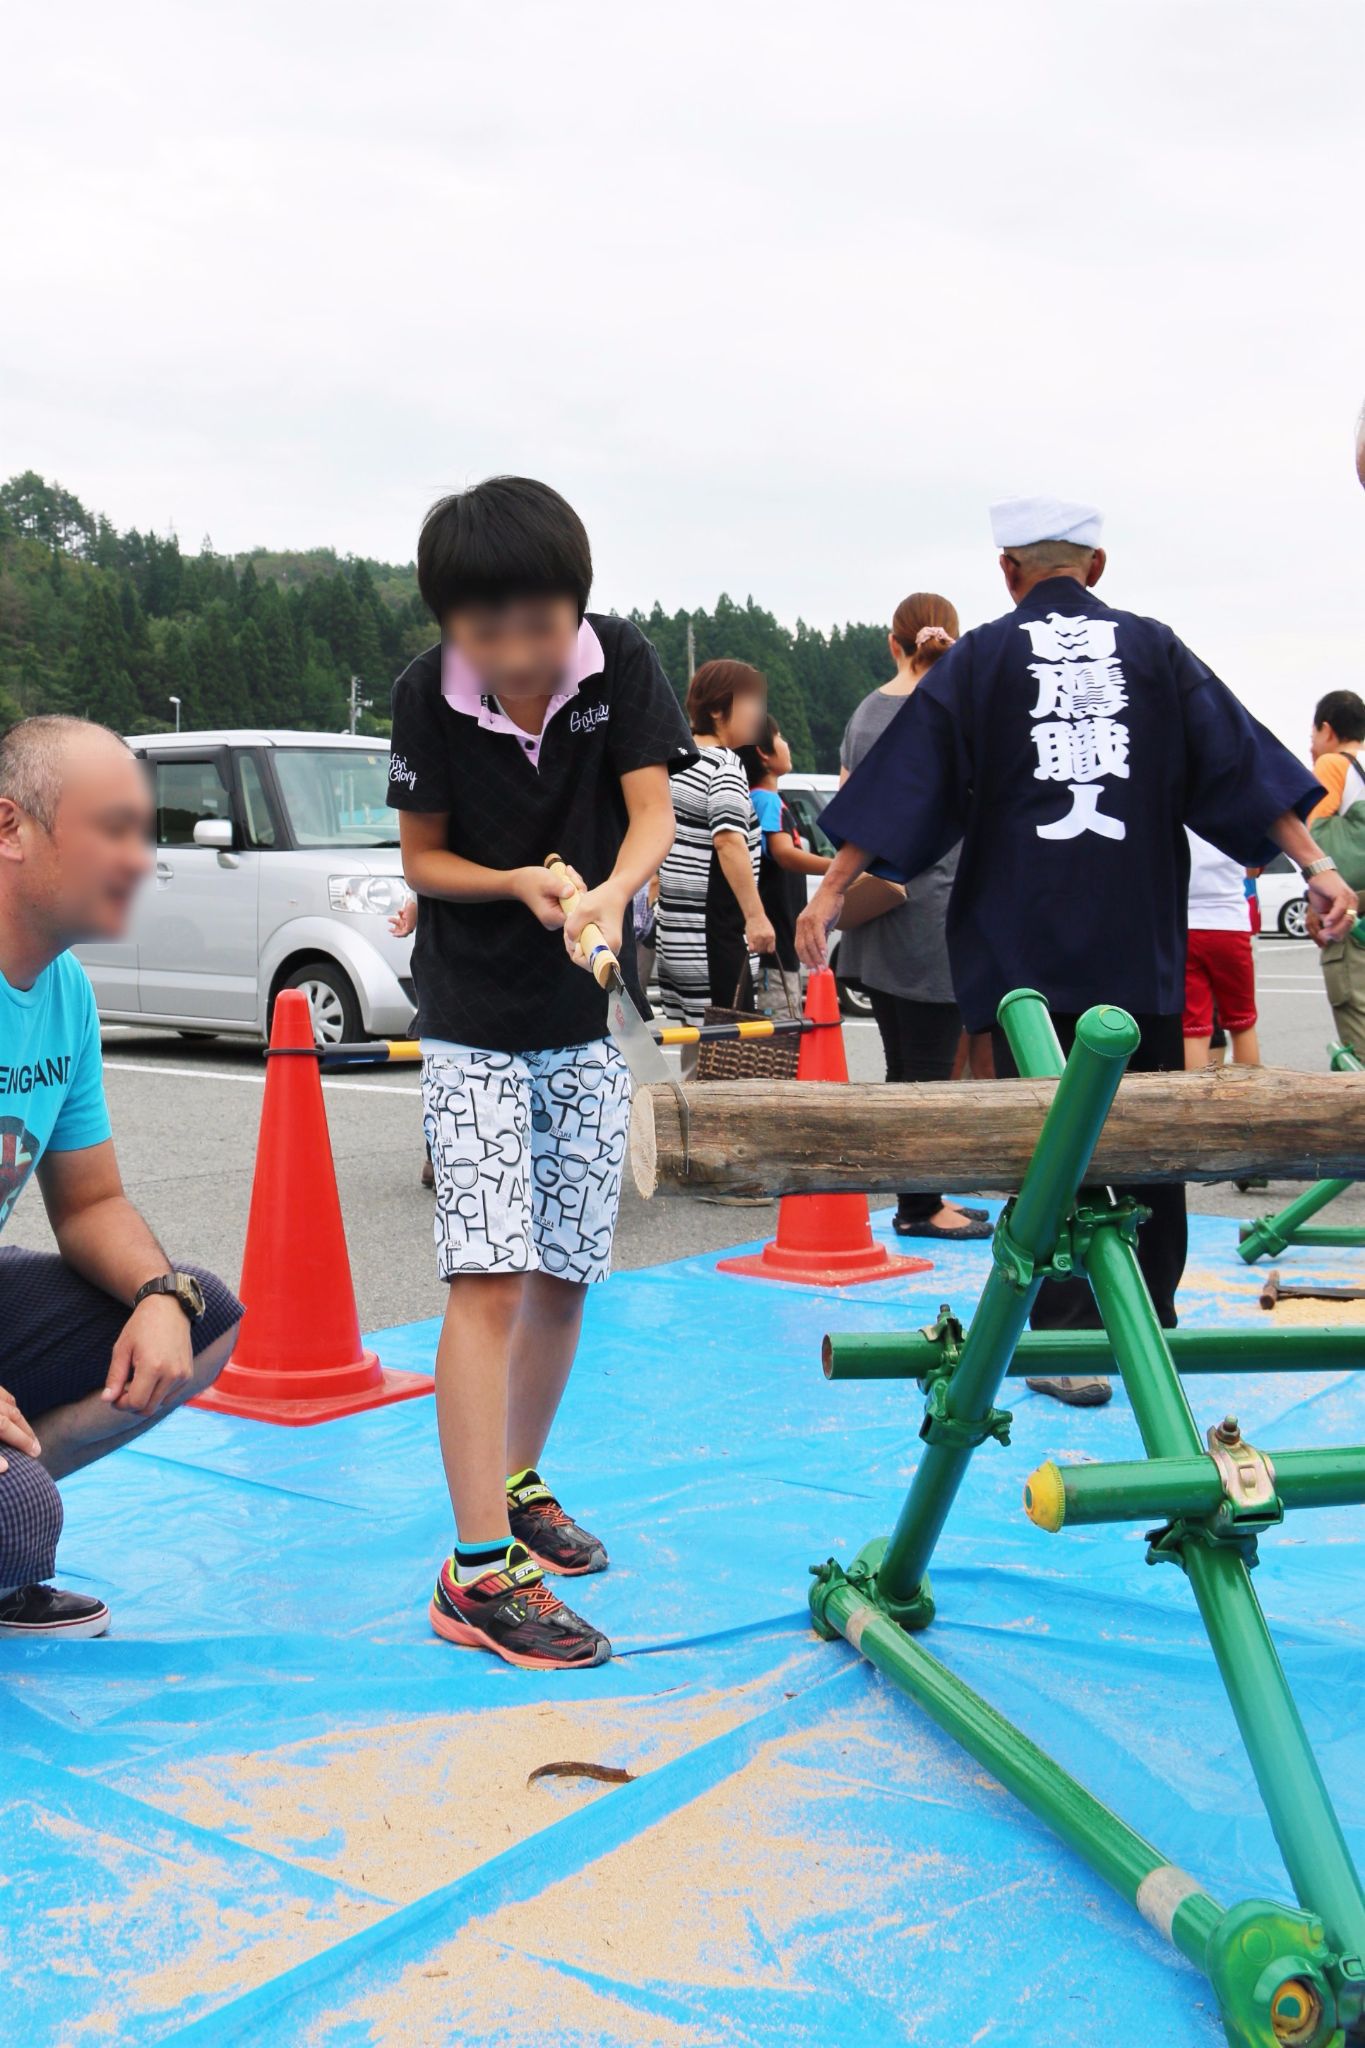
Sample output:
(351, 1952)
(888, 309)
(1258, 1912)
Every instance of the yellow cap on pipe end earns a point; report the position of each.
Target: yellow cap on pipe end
(1045, 1497)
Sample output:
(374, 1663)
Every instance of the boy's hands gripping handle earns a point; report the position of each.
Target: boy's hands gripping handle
(603, 964)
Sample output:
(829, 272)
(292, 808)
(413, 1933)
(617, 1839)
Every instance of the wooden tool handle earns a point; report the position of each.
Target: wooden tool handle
(592, 946)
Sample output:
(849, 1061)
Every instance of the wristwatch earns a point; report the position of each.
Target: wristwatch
(183, 1286)
(1325, 865)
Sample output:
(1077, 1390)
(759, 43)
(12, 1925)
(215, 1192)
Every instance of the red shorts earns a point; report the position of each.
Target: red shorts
(1218, 969)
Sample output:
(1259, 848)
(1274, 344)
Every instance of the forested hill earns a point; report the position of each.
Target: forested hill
(113, 625)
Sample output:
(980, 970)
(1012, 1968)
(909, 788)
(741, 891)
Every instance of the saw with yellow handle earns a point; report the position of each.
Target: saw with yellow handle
(634, 1040)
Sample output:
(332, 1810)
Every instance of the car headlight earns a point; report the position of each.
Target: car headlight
(379, 895)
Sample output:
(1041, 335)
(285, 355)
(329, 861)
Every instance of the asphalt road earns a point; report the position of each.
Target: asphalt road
(185, 1113)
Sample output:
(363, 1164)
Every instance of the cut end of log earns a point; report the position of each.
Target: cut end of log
(644, 1144)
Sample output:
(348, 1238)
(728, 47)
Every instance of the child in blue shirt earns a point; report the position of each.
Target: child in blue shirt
(785, 862)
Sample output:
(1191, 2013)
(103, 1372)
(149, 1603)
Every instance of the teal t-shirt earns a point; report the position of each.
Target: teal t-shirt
(51, 1076)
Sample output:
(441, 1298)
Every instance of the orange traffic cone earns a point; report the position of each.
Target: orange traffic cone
(299, 1358)
(824, 1240)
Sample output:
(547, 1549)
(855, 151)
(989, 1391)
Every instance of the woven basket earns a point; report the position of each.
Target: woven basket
(748, 1059)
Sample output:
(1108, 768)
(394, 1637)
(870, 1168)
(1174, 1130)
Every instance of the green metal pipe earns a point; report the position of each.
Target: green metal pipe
(1106, 1039)
(1026, 1021)
(1138, 1342)
(1151, 1489)
(1270, 1235)
(1301, 1815)
(907, 1355)
(1338, 1236)
(1164, 1894)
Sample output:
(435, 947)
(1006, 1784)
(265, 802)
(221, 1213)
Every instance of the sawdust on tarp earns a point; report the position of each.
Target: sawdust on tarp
(709, 1896)
(222, 1950)
(170, 1930)
(1238, 1289)
(405, 1807)
(1241, 1290)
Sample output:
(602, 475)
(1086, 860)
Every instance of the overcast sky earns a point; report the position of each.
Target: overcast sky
(780, 295)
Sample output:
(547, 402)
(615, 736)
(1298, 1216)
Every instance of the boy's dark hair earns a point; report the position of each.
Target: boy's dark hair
(1344, 711)
(505, 538)
(755, 767)
(714, 688)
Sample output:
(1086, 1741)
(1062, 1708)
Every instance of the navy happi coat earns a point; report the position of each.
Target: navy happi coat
(1067, 746)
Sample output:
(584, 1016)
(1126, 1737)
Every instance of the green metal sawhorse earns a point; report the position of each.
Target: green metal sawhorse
(1274, 1234)
(1283, 1978)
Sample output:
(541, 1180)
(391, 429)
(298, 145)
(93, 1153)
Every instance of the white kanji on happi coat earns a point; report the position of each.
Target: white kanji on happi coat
(1078, 738)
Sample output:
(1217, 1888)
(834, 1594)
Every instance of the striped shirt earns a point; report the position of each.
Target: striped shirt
(710, 796)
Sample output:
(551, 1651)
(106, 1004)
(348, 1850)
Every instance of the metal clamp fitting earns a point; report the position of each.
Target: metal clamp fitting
(1068, 1255)
(1125, 1216)
(1017, 1265)
(1247, 1474)
(945, 1333)
(827, 1576)
(1258, 1240)
(959, 1432)
(1249, 1505)
(912, 1613)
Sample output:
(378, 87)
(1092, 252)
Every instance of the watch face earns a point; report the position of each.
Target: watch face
(190, 1292)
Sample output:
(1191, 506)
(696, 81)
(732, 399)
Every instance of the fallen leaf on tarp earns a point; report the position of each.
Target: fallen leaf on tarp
(608, 1774)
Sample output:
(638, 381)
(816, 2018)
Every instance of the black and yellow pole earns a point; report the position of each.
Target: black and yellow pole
(380, 1052)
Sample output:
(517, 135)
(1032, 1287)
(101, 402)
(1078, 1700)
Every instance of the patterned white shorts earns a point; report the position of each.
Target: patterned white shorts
(528, 1150)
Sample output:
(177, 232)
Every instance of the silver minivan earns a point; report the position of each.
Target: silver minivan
(277, 866)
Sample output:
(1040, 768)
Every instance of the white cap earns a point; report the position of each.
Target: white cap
(1018, 522)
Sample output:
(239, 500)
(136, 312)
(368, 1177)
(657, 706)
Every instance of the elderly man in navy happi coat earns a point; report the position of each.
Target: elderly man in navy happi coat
(1067, 745)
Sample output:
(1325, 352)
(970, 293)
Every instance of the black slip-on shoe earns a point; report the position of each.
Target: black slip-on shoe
(41, 1611)
(963, 1233)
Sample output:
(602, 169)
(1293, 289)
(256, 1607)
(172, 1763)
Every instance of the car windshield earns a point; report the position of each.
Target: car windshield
(335, 796)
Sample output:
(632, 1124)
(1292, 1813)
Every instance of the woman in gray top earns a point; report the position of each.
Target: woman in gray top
(901, 959)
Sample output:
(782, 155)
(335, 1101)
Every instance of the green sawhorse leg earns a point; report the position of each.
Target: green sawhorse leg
(1283, 1977)
(1271, 1235)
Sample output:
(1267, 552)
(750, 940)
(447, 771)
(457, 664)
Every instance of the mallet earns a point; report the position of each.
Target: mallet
(638, 1047)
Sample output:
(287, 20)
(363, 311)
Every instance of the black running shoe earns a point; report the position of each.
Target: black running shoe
(555, 1542)
(514, 1614)
(42, 1611)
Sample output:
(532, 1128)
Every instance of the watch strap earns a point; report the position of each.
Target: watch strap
(182, 1289)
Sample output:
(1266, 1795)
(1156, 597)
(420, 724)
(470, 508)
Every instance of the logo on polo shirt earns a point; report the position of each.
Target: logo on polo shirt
(18, 1149)
(589, 717)
(53, 1072)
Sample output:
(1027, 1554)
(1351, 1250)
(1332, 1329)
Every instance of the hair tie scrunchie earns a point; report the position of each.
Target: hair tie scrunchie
(933, 633)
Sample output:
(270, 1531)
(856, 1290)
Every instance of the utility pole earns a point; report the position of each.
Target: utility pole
(358, 703)
(691, 651)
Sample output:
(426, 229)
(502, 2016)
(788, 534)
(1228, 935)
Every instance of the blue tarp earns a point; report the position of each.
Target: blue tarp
(272, 1807)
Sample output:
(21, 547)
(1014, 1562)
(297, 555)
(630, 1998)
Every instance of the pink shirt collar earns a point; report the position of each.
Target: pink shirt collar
(464, 691)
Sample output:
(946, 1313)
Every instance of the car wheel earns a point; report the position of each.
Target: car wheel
(332, 1000)
(853, 1001)
(1293, 919)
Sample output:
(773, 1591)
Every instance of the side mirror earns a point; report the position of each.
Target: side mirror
(215, 832)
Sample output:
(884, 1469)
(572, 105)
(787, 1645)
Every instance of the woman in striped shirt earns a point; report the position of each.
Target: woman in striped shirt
(710, 918)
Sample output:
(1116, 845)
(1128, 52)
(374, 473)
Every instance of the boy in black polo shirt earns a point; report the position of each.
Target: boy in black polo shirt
(529, 729)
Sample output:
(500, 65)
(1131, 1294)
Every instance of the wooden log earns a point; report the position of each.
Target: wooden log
(792, 1137)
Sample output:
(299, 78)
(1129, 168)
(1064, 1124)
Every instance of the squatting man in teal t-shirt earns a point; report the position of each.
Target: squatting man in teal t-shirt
(104, 1337)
